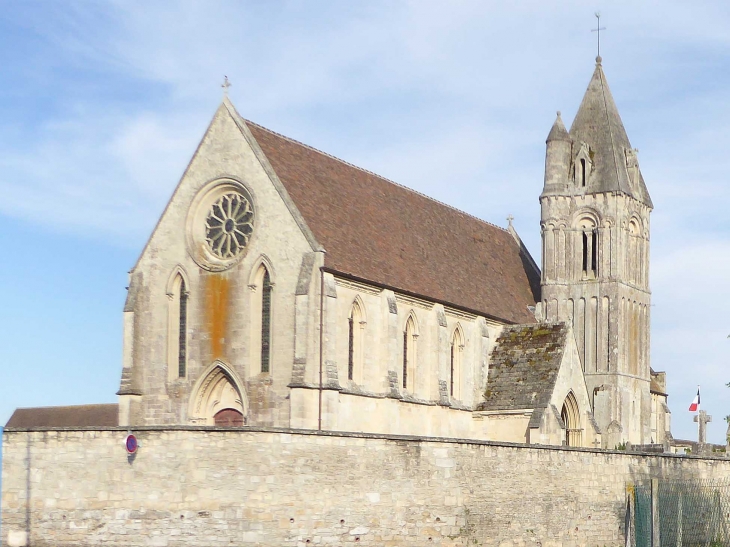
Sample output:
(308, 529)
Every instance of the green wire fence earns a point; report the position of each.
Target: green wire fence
(691, 513)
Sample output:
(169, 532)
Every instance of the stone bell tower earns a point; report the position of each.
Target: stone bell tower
(595, 259)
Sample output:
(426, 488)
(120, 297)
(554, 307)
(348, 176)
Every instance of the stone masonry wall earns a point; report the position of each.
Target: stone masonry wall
(213, 487)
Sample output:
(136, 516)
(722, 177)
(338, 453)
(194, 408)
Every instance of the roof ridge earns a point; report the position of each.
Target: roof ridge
(374, 174)
(65, 406)
(536, 324)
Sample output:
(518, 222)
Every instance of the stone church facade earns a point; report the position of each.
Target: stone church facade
(283, 287)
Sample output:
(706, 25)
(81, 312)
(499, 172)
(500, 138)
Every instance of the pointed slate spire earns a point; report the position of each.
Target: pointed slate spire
(599, 125)
(558, 131)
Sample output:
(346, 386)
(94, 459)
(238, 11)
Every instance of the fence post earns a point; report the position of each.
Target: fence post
(680, 518)
(655, 539)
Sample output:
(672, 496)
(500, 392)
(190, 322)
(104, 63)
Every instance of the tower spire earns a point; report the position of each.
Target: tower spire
(595, 233)
(598, 124)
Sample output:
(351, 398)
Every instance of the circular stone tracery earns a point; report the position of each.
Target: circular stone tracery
(229, 225)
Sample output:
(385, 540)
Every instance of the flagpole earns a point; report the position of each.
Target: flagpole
(699, 425)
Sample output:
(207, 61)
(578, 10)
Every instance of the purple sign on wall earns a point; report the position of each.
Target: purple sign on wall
(130, 443)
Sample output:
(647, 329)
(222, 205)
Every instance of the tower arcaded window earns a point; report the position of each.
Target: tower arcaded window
(588, 241)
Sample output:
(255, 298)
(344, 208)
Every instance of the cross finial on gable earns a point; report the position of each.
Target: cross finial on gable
(226, 84)
(510, 218)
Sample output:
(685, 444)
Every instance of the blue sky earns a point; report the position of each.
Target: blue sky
(102, 105)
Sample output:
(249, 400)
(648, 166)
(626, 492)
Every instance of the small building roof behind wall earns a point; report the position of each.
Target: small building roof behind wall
(65, 416)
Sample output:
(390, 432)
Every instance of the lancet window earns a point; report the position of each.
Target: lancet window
(457, 348)
(409, 354)
(266, 322)
(177, 321)
(261, 311)
(182, 331)
(355, 325)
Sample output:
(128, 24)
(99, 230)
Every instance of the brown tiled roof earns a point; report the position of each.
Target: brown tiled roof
(375, 230)
(524, 366)
(65, 416)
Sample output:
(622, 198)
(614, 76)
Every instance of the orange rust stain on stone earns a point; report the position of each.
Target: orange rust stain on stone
(216, 312)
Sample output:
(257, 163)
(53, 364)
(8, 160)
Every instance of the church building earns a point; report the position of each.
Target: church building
(284, 287)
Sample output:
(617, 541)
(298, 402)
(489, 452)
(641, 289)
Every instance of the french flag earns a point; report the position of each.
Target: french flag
(696, 403)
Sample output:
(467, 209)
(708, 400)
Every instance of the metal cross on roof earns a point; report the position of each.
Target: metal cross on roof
(226, 84)
(598, 29)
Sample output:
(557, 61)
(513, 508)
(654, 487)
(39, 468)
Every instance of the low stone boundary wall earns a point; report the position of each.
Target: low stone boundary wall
(251, 486)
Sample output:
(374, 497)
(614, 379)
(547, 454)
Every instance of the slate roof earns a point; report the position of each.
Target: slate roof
(524, 366)
(599, 125)
(65, 416)
(377, 231)
(558, 131)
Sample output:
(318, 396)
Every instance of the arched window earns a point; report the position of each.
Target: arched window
(590, 252)
(457, 349)
(634, 258)
(589, 248)
(261, 320)
(409, 354)
(266, 322)
(182, 331)
(571, 420)
(582, 166)
(355, 326)
(177, 326)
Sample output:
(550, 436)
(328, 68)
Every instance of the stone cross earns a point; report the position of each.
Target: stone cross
(702, 419)
(226, 84)
(510, 218)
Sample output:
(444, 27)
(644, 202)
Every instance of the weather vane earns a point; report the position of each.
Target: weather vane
(598, 30)
(226, 84)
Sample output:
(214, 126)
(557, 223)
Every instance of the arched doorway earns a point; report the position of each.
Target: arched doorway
(571, 419)
(217, 398)
(228, 417)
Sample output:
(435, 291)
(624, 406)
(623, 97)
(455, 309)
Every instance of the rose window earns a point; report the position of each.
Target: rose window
(229, 225)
